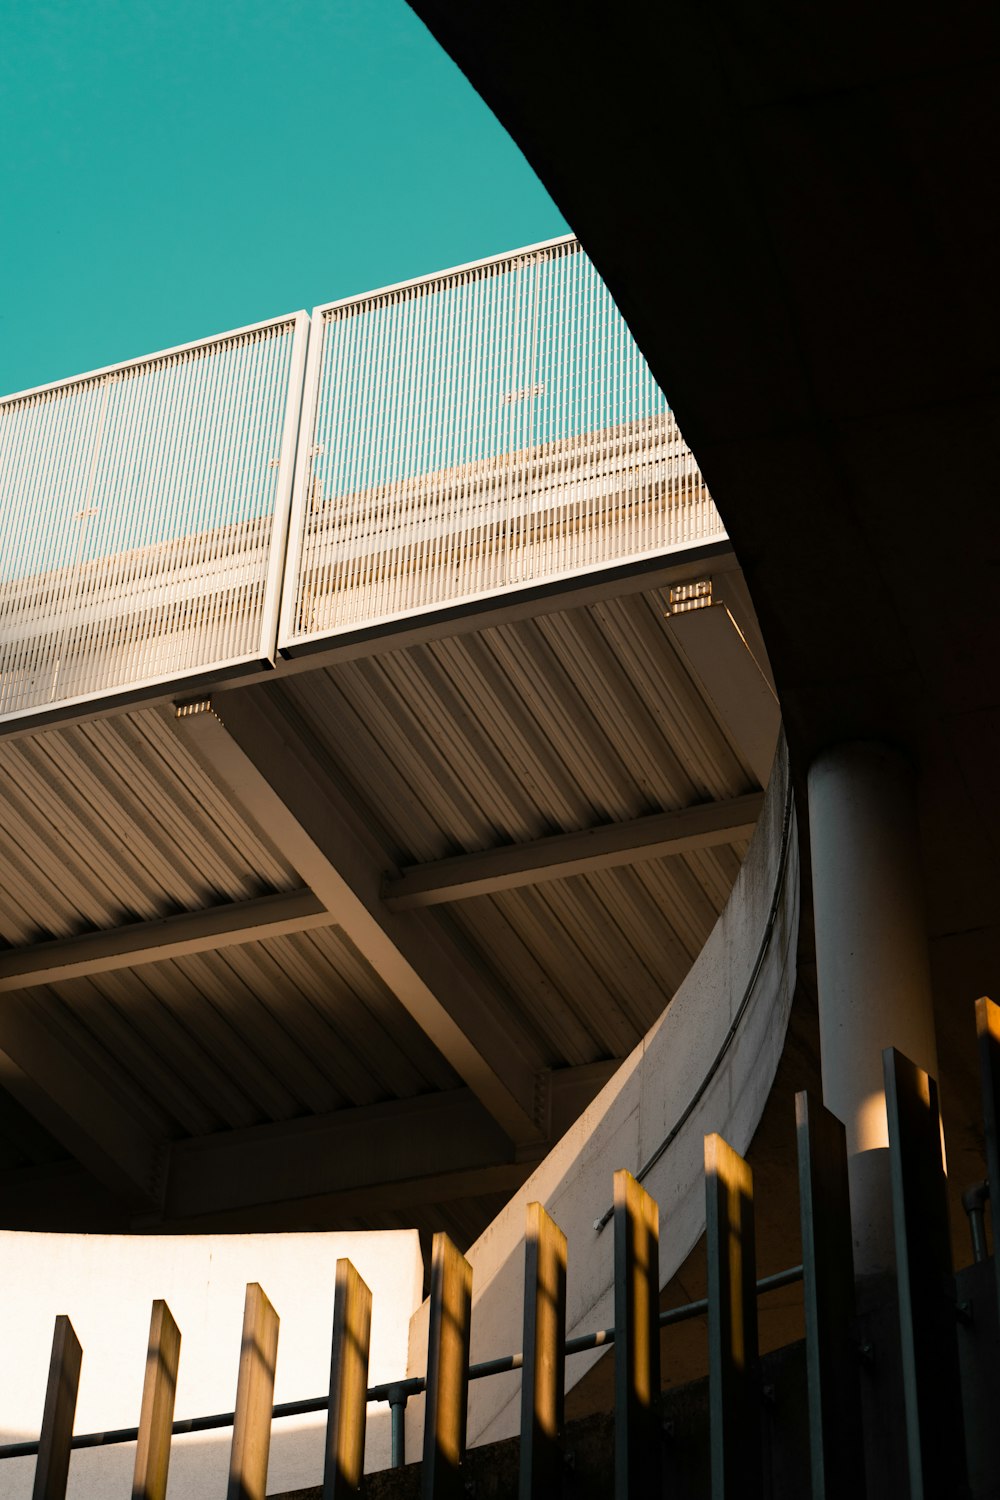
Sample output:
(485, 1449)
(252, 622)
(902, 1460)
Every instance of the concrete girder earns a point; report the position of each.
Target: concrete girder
(166, 937)
(565, 854)
(263, 757)
(405, 1152)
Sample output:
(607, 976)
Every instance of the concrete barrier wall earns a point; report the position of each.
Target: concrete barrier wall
(744, 975)
(106, 1284)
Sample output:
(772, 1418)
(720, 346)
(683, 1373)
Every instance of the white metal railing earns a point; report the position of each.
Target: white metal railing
(486, 427)
(143, 512)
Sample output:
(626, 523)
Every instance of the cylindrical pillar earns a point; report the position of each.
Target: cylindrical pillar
(872, 962)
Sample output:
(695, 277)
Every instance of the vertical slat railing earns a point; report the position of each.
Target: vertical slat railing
(344, 1465)
(836, 1445)
(152, 1453)
(52, 1465)
(988, 1037)
(543, 1379)
(484, 427)
(935, 1442)
(734, 1396)
(638, 1438)
(254, 1398)
(447, 1402)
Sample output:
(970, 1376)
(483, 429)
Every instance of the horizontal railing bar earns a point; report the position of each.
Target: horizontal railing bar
(437, 276)
(139, 360)
(394, 1392)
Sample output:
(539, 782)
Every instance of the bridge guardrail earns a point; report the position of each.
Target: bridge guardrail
(491, 426)
(143, 511)
(483, 428)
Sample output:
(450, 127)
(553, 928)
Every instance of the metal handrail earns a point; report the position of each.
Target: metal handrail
(395, 1392)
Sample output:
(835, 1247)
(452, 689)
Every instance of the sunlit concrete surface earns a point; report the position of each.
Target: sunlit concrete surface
(106, 1284)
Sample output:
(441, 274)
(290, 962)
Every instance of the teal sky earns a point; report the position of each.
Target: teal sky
(171, 170)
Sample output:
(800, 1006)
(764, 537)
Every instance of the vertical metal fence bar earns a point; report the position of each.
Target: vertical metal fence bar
(397, 1417)
(638, 1438)
(836, 1445)
(543, 1379)
(935, 1440)
(446, 1411)
(254, 1398)
(344, 1466)
(734, 1397)
(152, 1453)
(52, 1464)
(988, 1035)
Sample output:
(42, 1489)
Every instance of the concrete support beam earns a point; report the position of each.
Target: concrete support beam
(567, 854)
(262, 755)
(720, 660)
(45, 1076)
(404, 1153)
(169, 937)
(340, 1155)
(872, 963)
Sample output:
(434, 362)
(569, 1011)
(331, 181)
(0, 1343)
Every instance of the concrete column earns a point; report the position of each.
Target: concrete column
(872, 962)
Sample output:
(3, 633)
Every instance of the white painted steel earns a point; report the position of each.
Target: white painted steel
(142, 517)
(489, 426)
(486, 427)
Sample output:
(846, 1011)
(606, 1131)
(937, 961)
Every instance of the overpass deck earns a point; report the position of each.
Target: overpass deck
(365, 803)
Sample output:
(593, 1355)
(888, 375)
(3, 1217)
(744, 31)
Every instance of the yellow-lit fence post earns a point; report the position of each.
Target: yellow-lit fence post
(935, 1439)
(52, 1466)
(152, 1453)
(543, 1379)
(988, 1032)
(254, 1398)
(638, 1430)
(446, 1411)
(344, 1466)
(836, 1443)
(734, 1397)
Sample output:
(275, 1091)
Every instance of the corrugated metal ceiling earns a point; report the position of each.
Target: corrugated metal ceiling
(265, 1031)
(508, 734)
(113, 821)
(545, 726)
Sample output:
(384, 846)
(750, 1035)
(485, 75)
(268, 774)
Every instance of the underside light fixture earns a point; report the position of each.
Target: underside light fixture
(685, 596)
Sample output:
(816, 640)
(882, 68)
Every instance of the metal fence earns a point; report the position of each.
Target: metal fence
(932, 1394)
(142, 517)
(491, 426)
(487, 427)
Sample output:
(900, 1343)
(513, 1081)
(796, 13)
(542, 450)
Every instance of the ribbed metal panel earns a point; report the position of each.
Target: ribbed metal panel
(546, 726)
(549, 725)
(113, 821)
(142, 517)
(482, 428)
(588, 964)
(267, 1031)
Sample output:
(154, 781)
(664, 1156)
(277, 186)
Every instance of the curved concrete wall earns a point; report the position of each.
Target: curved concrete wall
(717, 1045)
(739, 988)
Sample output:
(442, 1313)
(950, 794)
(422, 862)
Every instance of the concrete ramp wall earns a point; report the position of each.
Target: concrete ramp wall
(706, 1065)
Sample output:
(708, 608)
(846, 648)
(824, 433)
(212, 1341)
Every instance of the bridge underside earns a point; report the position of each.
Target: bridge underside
(353, 944)
(816, 294)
